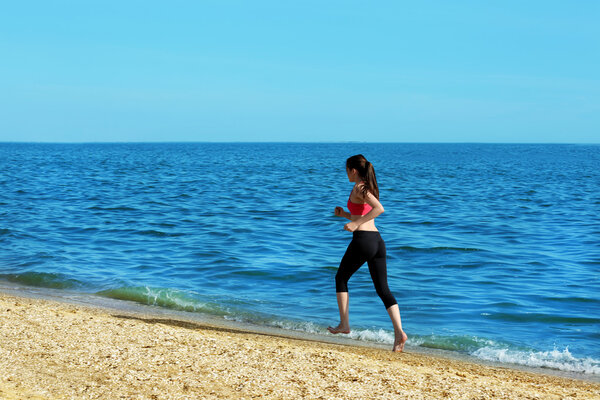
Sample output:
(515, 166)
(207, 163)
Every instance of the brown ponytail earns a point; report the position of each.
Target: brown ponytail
(366, 172)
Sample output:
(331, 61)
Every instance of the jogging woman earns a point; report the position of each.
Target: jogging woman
(366, 246)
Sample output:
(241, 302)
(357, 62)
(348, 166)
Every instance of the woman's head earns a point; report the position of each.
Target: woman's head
(365, 171)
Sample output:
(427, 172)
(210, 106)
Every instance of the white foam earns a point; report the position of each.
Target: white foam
(555, 359)
(308, 327)
(378, 336)
(174, 296)
(488, 350)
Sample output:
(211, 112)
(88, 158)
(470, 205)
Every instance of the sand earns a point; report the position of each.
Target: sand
(55, 350)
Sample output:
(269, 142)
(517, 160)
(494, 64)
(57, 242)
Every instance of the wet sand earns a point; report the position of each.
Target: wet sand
(55, 350)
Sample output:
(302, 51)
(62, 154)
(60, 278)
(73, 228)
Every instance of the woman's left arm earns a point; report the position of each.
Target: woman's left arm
(374, 213)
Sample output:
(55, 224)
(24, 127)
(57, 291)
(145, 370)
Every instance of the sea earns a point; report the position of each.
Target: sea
(493, 249)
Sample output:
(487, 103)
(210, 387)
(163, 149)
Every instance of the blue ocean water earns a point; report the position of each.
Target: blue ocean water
(493, 250)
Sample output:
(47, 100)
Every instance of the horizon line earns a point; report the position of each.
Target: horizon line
(290, 142)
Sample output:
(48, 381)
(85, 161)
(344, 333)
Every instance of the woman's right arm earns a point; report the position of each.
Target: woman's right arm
(339, 211)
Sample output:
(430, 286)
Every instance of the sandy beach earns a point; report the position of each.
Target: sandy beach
(55, 350)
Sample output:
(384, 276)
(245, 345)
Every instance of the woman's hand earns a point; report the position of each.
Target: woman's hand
(351, 226)
(339, 212)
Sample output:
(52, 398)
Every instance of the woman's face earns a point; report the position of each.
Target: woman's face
(351, 174)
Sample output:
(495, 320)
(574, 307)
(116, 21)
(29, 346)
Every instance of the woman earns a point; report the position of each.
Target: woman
(366, 246)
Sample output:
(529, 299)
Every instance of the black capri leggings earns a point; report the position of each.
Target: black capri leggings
(366, 246)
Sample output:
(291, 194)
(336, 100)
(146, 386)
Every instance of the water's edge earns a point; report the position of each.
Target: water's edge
(130, 308)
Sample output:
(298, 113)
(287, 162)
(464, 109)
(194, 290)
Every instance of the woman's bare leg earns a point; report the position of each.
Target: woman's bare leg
(344, 326)
(399, 335)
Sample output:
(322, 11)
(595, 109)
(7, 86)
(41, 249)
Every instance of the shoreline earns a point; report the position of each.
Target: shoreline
(131, 307)
(65, 349)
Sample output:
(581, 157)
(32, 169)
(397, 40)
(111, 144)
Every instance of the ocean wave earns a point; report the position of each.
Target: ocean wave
(168, 298)
(555, 359)
(43, 279)
(490, 350)
(152, 232)
(543, 318)
(436, 249)
(377, 336)
(118, 208)
(299, 326)
(463, 343)
(481, 348)
(572, 299)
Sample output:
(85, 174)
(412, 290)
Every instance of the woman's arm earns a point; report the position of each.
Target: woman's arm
(339, 212)
(374, 213)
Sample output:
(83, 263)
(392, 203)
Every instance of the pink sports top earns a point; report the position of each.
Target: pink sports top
(358, 208)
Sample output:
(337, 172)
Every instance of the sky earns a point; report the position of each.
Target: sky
(300, 71)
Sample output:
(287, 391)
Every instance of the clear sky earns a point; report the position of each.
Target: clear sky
(381, 71)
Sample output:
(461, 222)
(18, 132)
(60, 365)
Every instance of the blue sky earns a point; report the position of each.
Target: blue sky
(387, 71)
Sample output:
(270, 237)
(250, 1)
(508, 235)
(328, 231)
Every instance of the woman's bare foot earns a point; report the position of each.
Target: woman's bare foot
(339, 329)
(399, 341)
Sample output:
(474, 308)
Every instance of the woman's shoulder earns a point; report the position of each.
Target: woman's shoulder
(359, 190)
(360, 186)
